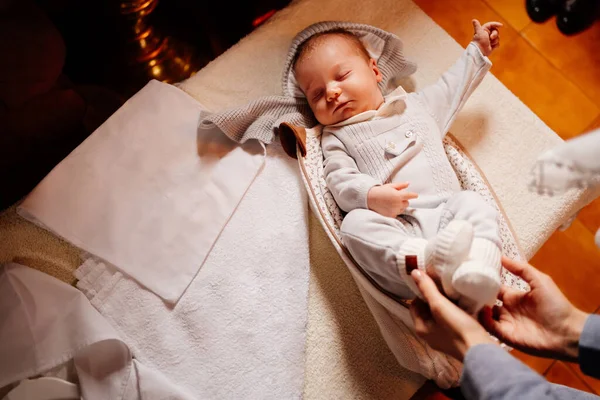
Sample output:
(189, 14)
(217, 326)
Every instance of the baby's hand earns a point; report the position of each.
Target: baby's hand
(486, 36)
(389, 200)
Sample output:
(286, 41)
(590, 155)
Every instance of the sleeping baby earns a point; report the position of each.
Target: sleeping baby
(386, 167)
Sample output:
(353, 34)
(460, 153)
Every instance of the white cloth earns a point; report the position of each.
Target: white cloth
(46, 323)
(146, 191)
(239, 330)
(572, 164)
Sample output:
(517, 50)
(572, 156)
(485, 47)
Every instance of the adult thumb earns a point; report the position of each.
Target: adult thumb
(476, 25)
(427, 286)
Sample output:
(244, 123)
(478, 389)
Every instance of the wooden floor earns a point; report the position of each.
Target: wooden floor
(558, 77)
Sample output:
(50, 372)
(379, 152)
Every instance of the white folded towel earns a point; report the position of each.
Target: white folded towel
(146, 191)
(239, 331)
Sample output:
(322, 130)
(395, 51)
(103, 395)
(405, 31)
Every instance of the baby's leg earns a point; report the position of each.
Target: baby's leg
(379, 245)
(477, 280)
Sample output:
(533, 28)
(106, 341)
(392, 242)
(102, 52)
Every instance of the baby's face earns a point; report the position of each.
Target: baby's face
(338, 81)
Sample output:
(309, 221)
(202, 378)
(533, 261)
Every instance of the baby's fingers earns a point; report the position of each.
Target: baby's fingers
(399, 185)
(491, 26)
(494, 35)
(408, 195)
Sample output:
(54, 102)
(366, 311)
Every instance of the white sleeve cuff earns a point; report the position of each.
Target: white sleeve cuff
(474, 50)
(362, 190)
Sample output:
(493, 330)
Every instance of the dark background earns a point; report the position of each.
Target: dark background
(66, 66)
(93, 31)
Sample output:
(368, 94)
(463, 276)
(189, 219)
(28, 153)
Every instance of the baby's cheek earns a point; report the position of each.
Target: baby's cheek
(320, 111)
(318, 114)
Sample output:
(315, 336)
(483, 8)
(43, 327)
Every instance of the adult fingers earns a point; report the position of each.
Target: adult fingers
(506, 292)
(420, 315)
(486, 318)
(502, 292)
(497, 321)
(494, 35)
(443, 312)
(522, 269)
(427, 287)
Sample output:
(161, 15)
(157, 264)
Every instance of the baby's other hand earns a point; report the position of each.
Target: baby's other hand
(389, 200)
(487, 36)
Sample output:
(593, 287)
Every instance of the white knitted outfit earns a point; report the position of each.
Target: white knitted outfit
(402, 142)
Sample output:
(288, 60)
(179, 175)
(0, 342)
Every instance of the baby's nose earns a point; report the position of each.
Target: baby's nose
(333, 93)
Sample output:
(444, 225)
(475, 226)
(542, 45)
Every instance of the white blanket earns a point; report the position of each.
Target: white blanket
(146, 191)
(238, 332)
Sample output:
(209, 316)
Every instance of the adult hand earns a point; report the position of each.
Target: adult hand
(442, 324)
(487, 37)
(389, 200)
(541, 322)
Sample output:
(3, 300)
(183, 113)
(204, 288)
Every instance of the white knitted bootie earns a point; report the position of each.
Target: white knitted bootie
(443, 254)
(451, 248)
(477, 280)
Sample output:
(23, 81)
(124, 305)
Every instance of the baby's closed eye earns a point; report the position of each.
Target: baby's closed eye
(343, 75)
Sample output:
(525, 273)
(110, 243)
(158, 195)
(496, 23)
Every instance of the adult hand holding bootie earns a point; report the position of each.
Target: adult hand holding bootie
(541, 322)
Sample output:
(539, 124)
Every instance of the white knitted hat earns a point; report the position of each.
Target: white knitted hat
(382, 46)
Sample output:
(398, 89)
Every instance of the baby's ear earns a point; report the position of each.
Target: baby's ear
(375, 69)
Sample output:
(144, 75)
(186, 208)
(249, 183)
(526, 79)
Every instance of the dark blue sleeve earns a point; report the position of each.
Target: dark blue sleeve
(491, 373)
(589, 347)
